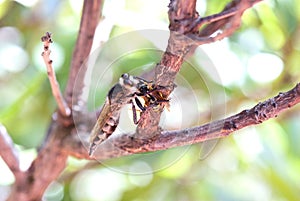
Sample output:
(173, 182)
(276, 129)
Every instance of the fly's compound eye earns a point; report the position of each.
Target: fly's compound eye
(125, 76)
(144, 89)
(125, 80)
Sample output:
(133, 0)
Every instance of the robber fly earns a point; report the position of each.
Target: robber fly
(126, 91)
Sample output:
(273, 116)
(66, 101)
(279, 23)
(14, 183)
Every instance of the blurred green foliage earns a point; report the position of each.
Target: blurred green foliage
(257, 163)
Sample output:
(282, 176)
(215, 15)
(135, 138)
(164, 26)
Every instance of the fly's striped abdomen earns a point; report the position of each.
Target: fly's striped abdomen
(103, 133)
(110, 125)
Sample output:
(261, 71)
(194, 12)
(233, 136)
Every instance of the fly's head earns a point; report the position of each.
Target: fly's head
(143, 94)
(135, 85)
(139, 87)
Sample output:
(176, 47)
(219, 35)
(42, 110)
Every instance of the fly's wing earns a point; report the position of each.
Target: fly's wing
(108, 119)
(97, 134)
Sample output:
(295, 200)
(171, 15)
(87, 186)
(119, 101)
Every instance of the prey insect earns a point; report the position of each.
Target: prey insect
(126, 91)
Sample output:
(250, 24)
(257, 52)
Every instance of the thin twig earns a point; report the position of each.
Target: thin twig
(8, 152)
(198, 23)
(233, 23)
(213, 27)
(62, 105)
(126, 144)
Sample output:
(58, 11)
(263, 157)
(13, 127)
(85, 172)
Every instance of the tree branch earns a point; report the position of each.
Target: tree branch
(213, 27)
(180, 12)
(198, 23)
(128, 144)
(8, 152)
(52, 157)
(233, 22)
(62, 140)
(89, 20)
(62, 105)
(184, 37)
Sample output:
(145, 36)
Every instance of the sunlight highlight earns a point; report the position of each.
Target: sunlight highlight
(264, 67)
(98, 184)
(228, 66)
(27, 3)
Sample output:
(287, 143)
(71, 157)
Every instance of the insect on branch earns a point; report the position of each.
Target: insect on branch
(62, 105)
(127, 91)
(126, 144)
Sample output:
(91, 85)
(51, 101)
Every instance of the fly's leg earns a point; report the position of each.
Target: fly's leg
(135, 121)
(134, 113)
(139, 104)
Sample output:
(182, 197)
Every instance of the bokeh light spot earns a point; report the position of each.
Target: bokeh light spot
(142, 174)
(10, 35)
(227, 64)
(13, 58)
(264, 67)
(98, 184)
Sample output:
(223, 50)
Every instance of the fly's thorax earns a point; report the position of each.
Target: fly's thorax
(135, 85)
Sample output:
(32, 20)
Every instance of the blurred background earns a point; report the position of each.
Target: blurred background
(260, 60)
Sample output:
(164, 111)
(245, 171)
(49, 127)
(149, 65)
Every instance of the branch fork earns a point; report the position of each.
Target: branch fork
(185, 23)
(228, 20)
